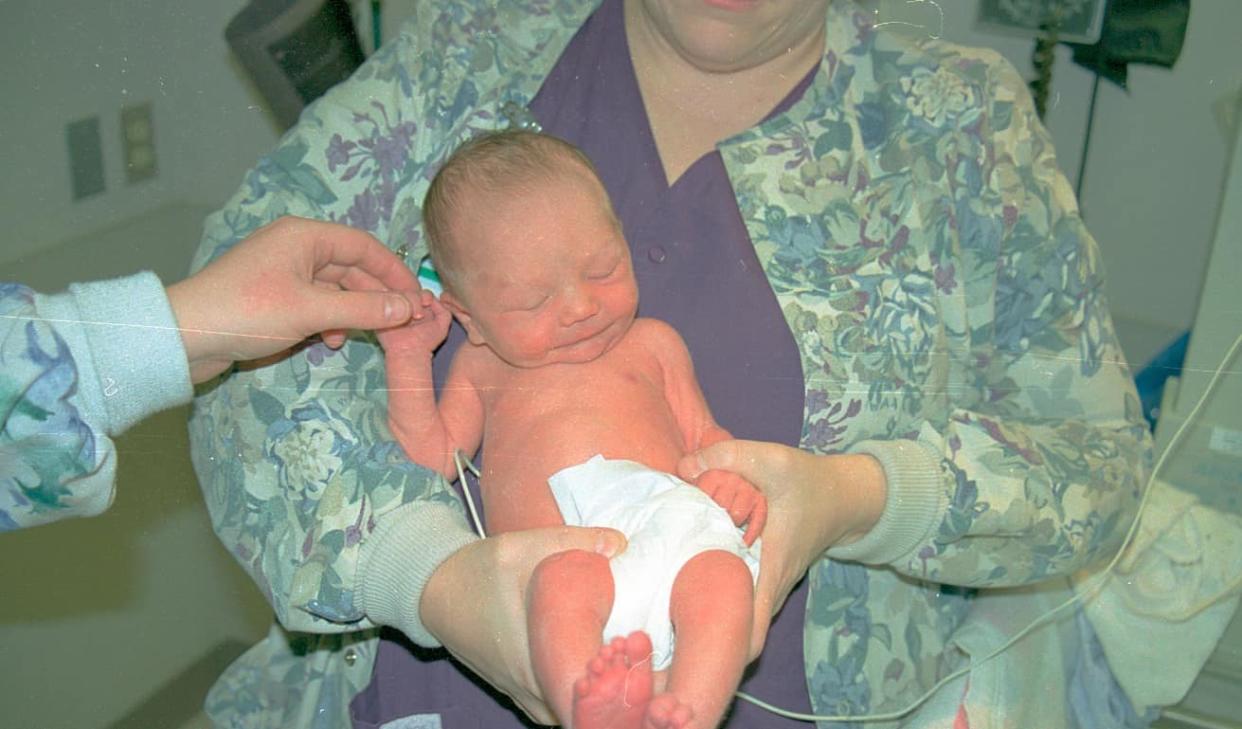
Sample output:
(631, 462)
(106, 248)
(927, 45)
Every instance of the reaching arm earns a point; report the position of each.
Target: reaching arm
(86, 364)
(429, 434)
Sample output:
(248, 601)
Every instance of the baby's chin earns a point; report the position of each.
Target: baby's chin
(587, 350)
(581, 353)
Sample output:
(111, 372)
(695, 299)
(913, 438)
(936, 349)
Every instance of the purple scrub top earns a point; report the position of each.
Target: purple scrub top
(697, 270)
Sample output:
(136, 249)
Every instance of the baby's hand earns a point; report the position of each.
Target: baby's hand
(744, 502)
(425, 331)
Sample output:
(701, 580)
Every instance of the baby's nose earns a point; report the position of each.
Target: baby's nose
(579, 306)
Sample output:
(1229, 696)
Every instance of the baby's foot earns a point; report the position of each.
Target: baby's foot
(666, 712)
(615, 692)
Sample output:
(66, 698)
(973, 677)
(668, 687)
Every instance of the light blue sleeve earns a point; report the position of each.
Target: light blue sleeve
(76, 369)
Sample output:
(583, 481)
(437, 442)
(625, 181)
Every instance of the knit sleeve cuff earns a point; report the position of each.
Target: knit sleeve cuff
(129, 329)
(398, 559)
(914, 505)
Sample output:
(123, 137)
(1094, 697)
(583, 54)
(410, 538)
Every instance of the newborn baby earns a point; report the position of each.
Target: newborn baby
(583, 412)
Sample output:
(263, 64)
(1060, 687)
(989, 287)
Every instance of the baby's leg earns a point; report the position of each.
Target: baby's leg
(712, 608)
(588, 685)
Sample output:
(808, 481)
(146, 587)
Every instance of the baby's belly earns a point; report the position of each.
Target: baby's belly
(518, 461)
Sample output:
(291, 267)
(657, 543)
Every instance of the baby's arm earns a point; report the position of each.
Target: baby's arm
(744, 502)
(429, 434)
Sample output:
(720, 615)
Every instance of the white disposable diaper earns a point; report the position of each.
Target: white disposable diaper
(666, 521)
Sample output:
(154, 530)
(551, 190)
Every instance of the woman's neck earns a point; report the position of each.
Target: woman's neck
(691, 109)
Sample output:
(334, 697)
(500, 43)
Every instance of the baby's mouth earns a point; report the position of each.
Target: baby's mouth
(579, 342)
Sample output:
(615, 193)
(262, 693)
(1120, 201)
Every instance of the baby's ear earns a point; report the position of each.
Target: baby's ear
(462, 315)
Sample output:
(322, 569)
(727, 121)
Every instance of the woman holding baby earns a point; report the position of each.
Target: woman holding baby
(890, 300)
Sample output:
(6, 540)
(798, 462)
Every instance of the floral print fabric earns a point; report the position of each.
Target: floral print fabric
(928, 257)
(48, 451)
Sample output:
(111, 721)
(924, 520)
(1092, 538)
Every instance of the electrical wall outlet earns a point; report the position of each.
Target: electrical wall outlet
(138, 142)
(86, 172)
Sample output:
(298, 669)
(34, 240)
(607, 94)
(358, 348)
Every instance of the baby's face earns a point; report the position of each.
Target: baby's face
(551, 279)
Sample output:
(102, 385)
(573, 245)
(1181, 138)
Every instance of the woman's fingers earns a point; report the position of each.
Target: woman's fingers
(752, 460)
(323, 310)
(342, 245)
(286, 281)
(764, 610)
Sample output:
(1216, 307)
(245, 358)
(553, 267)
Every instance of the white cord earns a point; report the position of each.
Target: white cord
(1082, 593)
(460, 458)
(1200, 606)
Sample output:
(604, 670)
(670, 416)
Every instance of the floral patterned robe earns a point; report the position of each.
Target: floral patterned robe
(928, 256)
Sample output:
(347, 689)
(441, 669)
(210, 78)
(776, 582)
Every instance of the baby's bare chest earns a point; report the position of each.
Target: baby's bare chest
(553, 417)
(614, 392)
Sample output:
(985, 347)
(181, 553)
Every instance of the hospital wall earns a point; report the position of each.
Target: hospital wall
(132, 612)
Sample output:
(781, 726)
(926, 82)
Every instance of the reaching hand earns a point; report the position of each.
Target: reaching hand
(813, 502)
(425, 331)
(745, 503)
(475, 604)
(289, 280)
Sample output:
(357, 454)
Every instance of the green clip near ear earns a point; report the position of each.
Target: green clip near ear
(428, 278)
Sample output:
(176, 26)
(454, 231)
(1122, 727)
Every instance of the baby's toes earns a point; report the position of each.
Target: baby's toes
(667, 712)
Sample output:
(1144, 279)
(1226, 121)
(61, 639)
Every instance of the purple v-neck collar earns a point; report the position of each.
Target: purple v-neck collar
(628, 80)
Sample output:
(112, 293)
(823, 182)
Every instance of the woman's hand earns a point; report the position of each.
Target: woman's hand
(475, 604)
(814, 502)
(287, 281)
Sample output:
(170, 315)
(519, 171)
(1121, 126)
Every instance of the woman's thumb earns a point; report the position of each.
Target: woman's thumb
(359, 310)
(608, 542)
(727, 455)
(554, 540)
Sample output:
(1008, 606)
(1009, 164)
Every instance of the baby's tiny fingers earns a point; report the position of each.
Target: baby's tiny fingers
(741, 509)
(334, 338)
(754, 526)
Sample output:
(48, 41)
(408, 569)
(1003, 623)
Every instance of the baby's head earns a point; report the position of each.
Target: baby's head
(531, 256)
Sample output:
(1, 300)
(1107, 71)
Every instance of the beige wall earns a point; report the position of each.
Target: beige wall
(64, 61)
